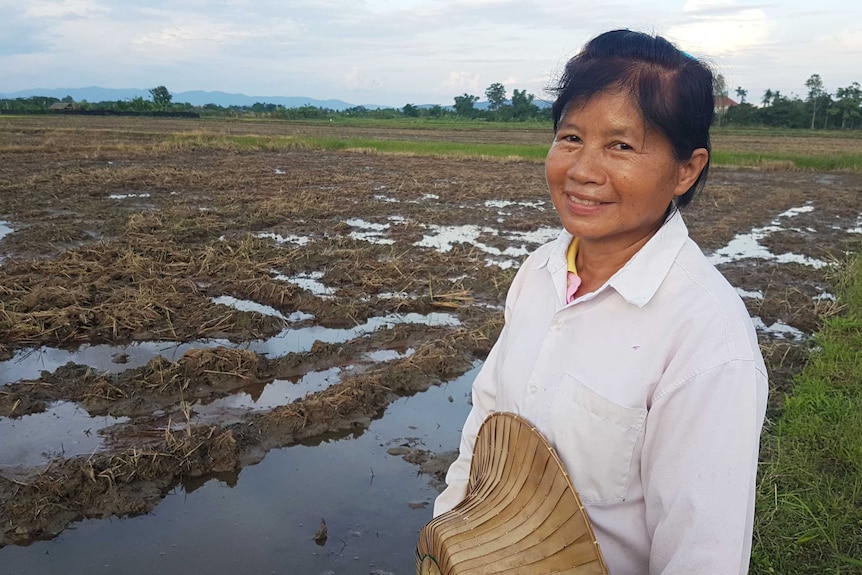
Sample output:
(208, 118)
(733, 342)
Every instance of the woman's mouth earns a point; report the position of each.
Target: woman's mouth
(582, 202)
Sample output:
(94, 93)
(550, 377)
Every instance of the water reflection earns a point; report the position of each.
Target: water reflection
(266, 523)
(64, 430)
(28, 364)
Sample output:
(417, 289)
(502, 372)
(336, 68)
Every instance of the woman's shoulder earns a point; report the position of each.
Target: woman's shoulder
(708, 303)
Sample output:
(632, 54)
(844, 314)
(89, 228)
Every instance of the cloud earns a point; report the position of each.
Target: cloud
(62, 9)
(461, 82)
(718, 27)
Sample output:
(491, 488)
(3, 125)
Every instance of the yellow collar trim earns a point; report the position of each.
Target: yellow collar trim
(571, 254)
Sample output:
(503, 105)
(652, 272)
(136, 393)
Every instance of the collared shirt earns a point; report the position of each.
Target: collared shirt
(653, 391)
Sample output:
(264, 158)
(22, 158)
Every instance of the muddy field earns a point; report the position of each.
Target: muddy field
(177, 311)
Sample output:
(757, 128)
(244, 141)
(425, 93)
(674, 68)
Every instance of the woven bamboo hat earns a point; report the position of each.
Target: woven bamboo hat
(521, 515)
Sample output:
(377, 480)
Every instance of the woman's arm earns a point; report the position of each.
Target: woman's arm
(484, 399)
(699, 468)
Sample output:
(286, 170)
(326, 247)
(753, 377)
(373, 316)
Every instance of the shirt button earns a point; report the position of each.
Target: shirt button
(557, 327)
(533, 389)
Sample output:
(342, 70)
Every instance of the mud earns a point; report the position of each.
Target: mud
(127, 254)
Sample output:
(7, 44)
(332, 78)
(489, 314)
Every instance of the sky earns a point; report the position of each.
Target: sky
(394, 52)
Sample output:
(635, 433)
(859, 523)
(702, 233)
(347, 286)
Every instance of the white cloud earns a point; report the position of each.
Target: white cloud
(718, 27)
(61, 9)
(461, 82)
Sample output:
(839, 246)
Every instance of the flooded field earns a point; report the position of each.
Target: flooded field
(208, 350)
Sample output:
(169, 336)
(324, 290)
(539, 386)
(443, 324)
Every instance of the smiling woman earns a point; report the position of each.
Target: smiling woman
(612, 179)
(623, 346)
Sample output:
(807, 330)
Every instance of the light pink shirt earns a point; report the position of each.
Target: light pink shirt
(653, 391)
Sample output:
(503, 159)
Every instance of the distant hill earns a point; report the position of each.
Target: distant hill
(202, 98)
(195, 98)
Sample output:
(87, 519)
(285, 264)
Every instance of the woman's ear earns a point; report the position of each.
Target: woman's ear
(690, 169)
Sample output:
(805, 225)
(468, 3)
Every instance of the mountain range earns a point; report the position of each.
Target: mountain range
(194, 97)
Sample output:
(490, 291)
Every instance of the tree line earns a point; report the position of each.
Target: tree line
(499, 108)
(821, 109)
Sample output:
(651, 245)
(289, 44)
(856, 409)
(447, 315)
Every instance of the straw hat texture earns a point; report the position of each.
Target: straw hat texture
(521, 515)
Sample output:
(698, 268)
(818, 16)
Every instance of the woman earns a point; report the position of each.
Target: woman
(622, 344)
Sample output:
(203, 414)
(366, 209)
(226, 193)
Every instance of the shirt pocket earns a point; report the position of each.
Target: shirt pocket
(596, 439)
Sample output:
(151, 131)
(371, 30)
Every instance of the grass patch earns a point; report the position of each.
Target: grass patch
(809, 506)
(283, 143)
(393, 144)
(790, 162)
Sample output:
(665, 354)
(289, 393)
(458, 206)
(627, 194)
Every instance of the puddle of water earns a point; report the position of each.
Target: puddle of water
(539, 236)
(795, 212)
(502, 204)
(373, 233)
(279, 171)
(65, 429)
(778, 329)
(301, 340)
(444, 238)
(748, 246)
(383, 355)
(274, 394)
(385, 198)
(371, 501)
(126, 196)
(252, 306)
(749, 294)
(5, 230)
(824, 296)
(289, 239)
(308, 282)
(28, 364)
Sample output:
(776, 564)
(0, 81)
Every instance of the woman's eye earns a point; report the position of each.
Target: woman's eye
(622, 146)
(571, 138)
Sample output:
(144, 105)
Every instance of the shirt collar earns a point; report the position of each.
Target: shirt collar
(639, 279)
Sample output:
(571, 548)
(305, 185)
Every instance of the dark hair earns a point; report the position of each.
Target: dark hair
(673, 90)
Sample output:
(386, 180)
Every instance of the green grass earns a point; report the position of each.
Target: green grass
(278, 143)
(843, 162)
(782, 161)
(809, 505)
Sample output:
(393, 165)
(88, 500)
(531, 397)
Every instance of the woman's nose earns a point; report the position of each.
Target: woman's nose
(585, 166)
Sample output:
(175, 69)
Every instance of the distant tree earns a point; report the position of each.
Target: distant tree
(741, 93)
(522, 105)
(848, 106)
(357, 112)
(138, 104)
(496, 94)
(742, 115)
(815, 94)
(68, 100)
(767, 97)
(161, 96)
(719, 91)
(410, 111)
(465, 105)
(436, 111)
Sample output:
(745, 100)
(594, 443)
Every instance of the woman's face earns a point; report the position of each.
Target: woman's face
(612, 177)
